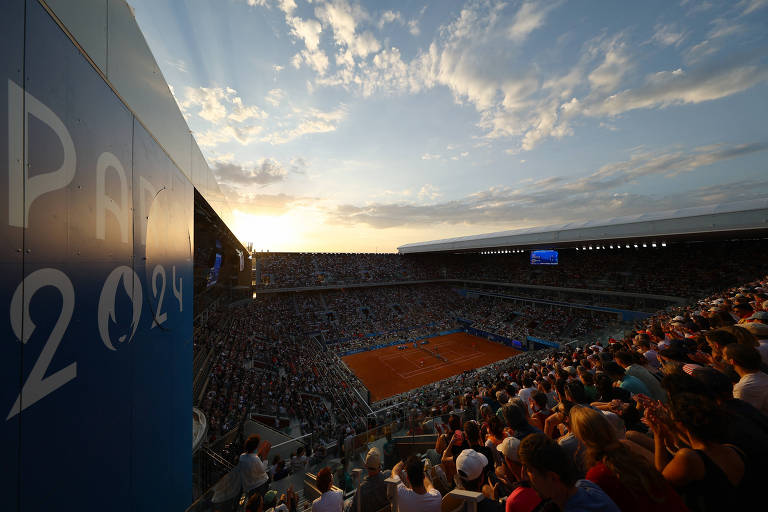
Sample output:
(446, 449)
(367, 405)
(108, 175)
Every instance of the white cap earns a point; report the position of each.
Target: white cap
(471, 463)
(508, 447)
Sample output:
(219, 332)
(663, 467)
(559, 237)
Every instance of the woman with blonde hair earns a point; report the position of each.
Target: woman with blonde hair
(627, 477)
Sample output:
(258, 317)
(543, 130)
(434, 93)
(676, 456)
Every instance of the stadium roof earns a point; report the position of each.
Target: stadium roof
(721, 218)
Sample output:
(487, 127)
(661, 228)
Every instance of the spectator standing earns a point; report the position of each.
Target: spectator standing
(527, 392)
(329, 500)
(253, 471)
(419, 495)
(372, 494)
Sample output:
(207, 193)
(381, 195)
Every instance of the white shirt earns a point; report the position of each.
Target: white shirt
(753, 388)
(653, 358)
(253, 471)
(525, 394)
(329, 501)
(409, 501)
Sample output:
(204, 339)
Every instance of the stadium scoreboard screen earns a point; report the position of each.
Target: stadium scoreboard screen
(543, 257)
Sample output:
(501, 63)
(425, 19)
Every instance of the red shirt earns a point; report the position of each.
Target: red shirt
(629, 502)
(522, 499)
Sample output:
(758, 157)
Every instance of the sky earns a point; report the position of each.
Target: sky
(361, 126)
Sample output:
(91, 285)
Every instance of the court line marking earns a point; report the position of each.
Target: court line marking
(451, 350)
(428, 369)
(393, 370)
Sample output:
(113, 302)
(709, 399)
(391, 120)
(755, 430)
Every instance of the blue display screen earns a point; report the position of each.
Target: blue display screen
(543, 257)
(213, 274)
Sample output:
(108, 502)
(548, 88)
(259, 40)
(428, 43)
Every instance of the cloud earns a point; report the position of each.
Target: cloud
(477, 56)
(667, 35)
(431, 156)
(413, 27)
(390, 17)
(297, 165)
(274, 97)
(232, 119)
(529, 17)
(722, 27)
(677, 87)
(264, 173)
(316, 60)
(343, 19)
(229, 119)
(557, 199)
(428, 193)
(608, 75)
(310, 121)
(179, 65)
(263, 204)
(306, 30)
(751, 6)
(228, 133)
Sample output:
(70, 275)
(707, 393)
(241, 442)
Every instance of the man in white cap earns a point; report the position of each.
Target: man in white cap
(511, 471)
(470, 466)
(521, 496)
(372, 494)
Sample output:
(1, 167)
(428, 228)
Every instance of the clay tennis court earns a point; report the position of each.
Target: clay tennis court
(388, 371)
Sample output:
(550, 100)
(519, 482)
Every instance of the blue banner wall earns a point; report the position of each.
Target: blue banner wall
(399, 342)
(11, 247)
(495, 337)
(96, 271)
(544, 342)
(626, 315)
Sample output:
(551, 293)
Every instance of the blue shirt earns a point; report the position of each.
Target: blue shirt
(589, 497)
(634, 385)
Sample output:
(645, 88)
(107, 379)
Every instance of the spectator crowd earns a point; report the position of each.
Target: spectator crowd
(679, 269)
(673, 415)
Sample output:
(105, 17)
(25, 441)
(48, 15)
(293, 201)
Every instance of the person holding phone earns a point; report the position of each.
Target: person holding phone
(415, 492)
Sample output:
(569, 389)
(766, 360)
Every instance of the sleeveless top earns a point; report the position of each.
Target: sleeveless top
(714, 492)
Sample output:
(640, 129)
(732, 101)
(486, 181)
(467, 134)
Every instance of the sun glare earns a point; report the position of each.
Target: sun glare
(272, 232)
